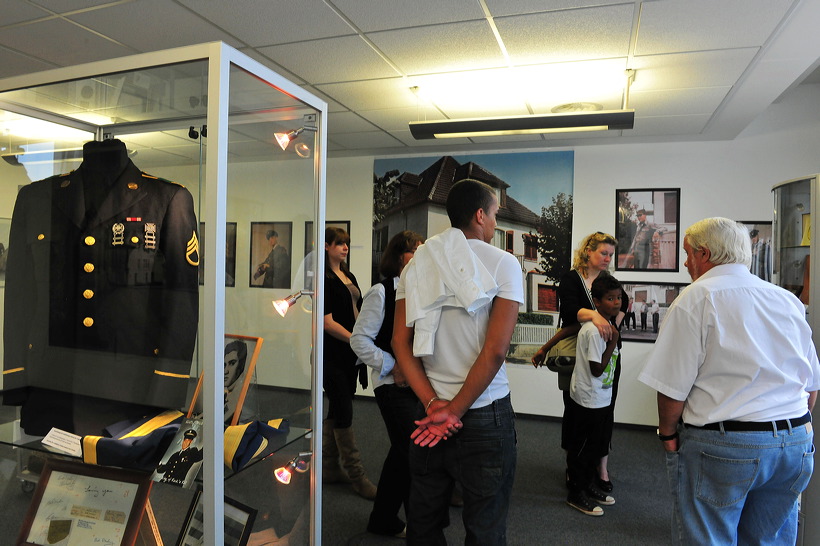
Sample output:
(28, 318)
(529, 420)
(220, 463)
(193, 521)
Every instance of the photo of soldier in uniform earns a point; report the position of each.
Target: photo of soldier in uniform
(180, 464)
(647, 226)
(271, 243)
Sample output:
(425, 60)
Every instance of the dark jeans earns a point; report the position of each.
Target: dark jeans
(656, 320)
(481, 456)
(399, 406)
(340, 385)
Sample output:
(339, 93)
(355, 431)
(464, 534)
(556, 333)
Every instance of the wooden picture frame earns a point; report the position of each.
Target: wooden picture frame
(643, 327)
(230, 254)
(234, 398)
(239, 520)
(271, 262)
(648, 242)
(76, 504)
(309, 237)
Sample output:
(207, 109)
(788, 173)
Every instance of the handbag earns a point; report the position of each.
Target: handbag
(561, 357)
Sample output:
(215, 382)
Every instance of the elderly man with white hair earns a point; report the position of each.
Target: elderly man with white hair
(737, 376)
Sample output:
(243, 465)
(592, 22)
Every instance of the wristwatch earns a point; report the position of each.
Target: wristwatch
(666, 438)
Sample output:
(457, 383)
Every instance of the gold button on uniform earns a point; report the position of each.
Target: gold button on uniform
(156, 351)
(88, 322)
(135, 239)
(89, 241)
(40, 237)
(88, 294)
(88, 268)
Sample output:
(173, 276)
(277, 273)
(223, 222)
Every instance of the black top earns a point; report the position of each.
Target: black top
(338, 303)
(572, 297)
(385, 335)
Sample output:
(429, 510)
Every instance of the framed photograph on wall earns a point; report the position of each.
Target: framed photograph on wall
(310, 240)
(5, 228)
(238, 523)
(647, 226)
(76, 504)
(760, 235)
(230, 253)
(241, 354)
(270, 254)
(648, 304)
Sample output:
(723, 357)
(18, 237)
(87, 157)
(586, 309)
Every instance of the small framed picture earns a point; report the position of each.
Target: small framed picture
(182, 460)
(241, 354)
(311, 242)
(270, 254)
(760, 235)
(648, 303)
(238, 523)
(230, 254)
(647, 225)
(76, 504)
(5, 229)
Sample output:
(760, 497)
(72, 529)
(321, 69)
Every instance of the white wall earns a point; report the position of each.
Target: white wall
(729, 178)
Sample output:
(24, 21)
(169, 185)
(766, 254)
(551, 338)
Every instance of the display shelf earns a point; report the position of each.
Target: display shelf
(198, 126)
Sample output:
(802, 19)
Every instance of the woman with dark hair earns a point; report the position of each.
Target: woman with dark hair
(342, 303)
(397, 402)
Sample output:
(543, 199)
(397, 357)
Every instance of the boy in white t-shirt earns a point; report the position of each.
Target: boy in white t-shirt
(590, 396)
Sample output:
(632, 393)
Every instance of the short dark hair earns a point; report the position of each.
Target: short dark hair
(602, 284)
(241, 349)
(465, 198)
(271, 233)
(404, 241)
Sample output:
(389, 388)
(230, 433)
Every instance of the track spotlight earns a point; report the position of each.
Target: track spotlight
(300, 463)
(282, 306)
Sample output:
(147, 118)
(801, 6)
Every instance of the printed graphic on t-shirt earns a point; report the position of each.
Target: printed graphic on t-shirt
(608, 377)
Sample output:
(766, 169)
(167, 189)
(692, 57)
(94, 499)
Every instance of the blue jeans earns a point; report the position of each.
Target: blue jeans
(481, 456)
(739, 487)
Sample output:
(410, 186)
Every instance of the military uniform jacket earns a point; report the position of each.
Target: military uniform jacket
(102, 304)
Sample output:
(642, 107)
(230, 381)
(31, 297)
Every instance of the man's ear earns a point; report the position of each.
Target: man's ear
(479, 216)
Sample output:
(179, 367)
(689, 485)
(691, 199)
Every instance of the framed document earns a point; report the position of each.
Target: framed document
(77, 504)
(238, 523)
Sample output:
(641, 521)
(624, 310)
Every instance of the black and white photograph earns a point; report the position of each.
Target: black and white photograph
(239, 520)
(270, 252)
(648, 303)
(647, 226)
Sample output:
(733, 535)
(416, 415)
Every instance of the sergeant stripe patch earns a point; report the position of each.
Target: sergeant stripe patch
(192, 252)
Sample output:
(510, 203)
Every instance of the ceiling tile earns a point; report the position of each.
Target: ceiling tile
(162, 25)
(696, 25)
(592, 33)
(372, 139)
(440, 48)
(371, 95)
(348, 122)
(62, 43)
(394, 119)
(500, 8)
(669, 125)
(678, 102)
(65, 6)
(18, 11)
(372, 16)
(696, 69)
(263, 22)
(15, 64)
(341, 59)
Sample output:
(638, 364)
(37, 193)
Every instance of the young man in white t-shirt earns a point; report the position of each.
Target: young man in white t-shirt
(590, 396)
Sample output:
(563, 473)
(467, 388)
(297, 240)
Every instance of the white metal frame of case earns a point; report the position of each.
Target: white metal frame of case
(220, 58)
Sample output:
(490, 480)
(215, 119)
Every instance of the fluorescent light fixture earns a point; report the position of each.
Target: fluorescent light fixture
(603, 120)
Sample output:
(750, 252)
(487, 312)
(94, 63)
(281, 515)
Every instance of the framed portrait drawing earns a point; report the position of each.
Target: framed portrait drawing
(648, 303)
(240, 404)
(270, 254)
(76, 504)
(230, 254)
(647, 226)
(310, 238)
(238, 523)
(760, 236)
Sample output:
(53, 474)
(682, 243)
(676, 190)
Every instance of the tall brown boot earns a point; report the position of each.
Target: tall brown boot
(353, 464)
(331, 470)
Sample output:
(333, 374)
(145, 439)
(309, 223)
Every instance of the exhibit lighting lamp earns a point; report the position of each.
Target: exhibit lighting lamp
(283, 139)
(282, 306)
(300, 463)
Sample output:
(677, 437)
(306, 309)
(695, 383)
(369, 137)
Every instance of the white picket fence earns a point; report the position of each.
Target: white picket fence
(532, 334)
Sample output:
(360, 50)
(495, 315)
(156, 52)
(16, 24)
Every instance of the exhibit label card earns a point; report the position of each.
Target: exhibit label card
(64, 442)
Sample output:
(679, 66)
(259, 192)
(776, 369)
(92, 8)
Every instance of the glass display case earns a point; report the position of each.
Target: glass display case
(154, 210)
(795, 202)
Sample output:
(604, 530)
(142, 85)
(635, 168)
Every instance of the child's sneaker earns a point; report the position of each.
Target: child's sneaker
(593, 493)
(581, 502)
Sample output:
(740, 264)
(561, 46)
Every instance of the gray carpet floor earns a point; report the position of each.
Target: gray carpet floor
(538, 512)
